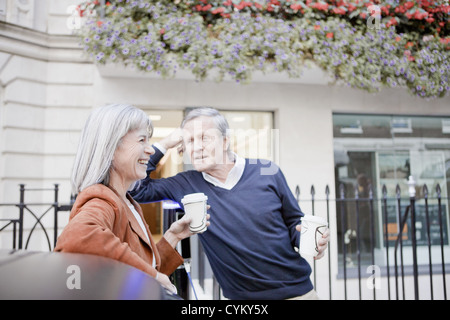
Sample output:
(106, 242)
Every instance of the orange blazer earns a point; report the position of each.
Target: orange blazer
(101, 223)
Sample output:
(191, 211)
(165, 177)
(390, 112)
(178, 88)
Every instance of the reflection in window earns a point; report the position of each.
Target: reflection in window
(384, 150)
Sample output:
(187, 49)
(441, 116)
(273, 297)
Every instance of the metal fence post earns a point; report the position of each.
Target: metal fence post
(55, 222)
(438, 192)
(412, 199)
(427, 217)
(343, 227)
(327, 193)
(386, 237)
(21, 211)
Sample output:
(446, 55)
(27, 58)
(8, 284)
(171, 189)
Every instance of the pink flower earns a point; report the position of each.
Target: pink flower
(339, 11)
(409, 5)
(218, 10)
(392, 22)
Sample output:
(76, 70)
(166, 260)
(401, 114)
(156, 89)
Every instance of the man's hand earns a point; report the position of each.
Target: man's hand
(173, 140)
(322, 242)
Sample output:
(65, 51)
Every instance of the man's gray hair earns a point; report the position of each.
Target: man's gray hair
(102, 133)
(219, 120)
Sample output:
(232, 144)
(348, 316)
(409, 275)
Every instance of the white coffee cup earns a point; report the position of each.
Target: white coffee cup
(312, 230)
(195, 207)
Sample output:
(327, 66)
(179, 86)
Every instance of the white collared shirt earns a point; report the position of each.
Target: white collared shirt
(141, 224)
(233, 177)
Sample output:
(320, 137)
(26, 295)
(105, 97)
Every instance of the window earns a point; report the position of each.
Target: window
(384, 150)
(252, 134)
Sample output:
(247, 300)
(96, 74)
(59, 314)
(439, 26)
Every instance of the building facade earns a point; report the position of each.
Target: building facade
(319, 133)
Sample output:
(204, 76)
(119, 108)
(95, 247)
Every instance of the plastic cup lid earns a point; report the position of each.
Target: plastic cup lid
(194, 197)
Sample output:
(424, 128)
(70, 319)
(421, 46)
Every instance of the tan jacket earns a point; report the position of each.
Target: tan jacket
(101, 223)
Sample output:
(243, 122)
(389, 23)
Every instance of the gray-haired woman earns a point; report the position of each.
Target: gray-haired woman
(105, 220)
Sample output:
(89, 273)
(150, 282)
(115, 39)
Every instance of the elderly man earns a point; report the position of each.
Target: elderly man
(254, 215)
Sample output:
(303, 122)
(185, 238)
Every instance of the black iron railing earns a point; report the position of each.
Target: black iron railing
(378, 215)
(372, 217)
(27, 210)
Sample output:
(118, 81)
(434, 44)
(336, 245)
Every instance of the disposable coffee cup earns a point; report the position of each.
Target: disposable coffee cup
(312, 230)
(195, 207)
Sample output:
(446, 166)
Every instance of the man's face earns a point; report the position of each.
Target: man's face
(204, 144)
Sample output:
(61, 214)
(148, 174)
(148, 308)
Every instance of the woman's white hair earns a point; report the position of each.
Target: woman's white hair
(101, 135)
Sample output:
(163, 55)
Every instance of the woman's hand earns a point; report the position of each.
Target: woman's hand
(179, 230)
(165, 282)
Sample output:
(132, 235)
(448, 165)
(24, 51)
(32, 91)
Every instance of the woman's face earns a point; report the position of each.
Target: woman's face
(131, 156)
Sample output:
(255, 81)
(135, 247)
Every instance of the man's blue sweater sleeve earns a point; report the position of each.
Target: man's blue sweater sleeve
(290, 209)
(148, 190)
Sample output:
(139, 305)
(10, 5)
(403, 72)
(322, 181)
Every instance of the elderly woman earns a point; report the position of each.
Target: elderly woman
(105, 220)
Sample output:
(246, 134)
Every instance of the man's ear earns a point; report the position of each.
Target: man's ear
(226, 143)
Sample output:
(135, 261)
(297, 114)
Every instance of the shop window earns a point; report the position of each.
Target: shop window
(384, 151)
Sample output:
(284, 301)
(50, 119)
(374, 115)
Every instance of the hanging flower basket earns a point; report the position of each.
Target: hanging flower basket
(361, 43)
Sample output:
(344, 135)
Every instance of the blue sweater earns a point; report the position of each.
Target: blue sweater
(250, 241)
